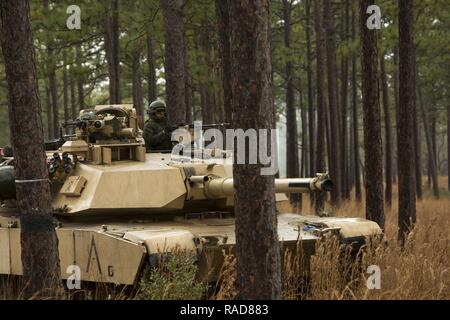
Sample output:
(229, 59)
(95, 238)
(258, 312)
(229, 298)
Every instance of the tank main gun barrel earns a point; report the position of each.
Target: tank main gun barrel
(223, 187)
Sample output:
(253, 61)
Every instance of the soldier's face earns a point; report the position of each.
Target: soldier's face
(160, 114)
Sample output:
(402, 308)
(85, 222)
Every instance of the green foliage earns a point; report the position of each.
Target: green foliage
(82, 54)
(174, 279)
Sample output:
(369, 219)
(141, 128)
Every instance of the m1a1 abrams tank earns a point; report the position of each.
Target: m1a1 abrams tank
(117, 207)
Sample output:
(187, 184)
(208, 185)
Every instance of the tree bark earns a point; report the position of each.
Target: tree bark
(311, 113)
(223, 27)
(257, 248)
(344, 104)
(372, 120)
(406, 176)
(55, 105)
(429, 141)
(448, 146)
(65, 96)
(152, 96)
(188, 82)
(292, 162)
(416, 132)
(335, 170)
(417, 153)
(311, 116)
(328, 135)
(356, 158)
(319, 198)
(388, 133)
(48, 111)
(73, 100)
(80, 89)
(39, 243)
(137, 86)
(351, 160)
(433, 137)
(304, 157)
(80, 80)
(112, 49)
(396, 98)
(174, 60)
(212, 111)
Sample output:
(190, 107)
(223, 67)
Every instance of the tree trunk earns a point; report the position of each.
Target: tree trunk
(304, 158)
(344, 103)
(433, 137)
(355, 116)
(417, 140)
(448, 146)
(188, 100)
(319, 198)
(351, 160)
(292, 163)
(311, 116)
(223, 27)
(388, 132)
(328, 134)
(417, 154)
(406, 176)
(372, 123)
(48, 111)
(257, 248)
(207, 45)
(39, 243)
(335, 159)
(396, 98)
(304, 145)
(137, 86)
(80, 80)
(54, 96)
(152, 96)
(174, 60)
(80, 89)
(65, 96)
(73, 101)
(429, 141)
(112, 49)
(188, 83)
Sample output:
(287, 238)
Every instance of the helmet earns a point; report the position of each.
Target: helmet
(156, 105)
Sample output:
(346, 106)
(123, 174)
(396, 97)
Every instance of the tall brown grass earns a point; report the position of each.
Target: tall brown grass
(419, 270)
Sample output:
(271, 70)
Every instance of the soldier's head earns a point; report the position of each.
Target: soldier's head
(157, 110)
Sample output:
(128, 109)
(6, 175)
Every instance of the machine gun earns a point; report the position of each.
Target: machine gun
(203, 126)
(52, 145)
(105, 123)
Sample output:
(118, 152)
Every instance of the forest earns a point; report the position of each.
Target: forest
(360, 94)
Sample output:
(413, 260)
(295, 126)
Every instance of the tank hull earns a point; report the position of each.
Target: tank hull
(116, 250)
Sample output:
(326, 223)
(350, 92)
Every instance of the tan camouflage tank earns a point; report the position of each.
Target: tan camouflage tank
(117, 207)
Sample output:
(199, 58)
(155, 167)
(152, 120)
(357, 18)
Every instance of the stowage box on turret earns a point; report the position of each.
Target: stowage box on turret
(116, 206)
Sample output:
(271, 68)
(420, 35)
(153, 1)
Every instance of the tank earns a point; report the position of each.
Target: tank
(117, 207)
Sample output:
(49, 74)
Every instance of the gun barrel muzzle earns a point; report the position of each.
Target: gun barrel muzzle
(223, 187)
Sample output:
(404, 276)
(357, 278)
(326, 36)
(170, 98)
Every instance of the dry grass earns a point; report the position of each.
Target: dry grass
(420, 270)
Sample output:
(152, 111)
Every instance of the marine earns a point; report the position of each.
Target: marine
(157, 129)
